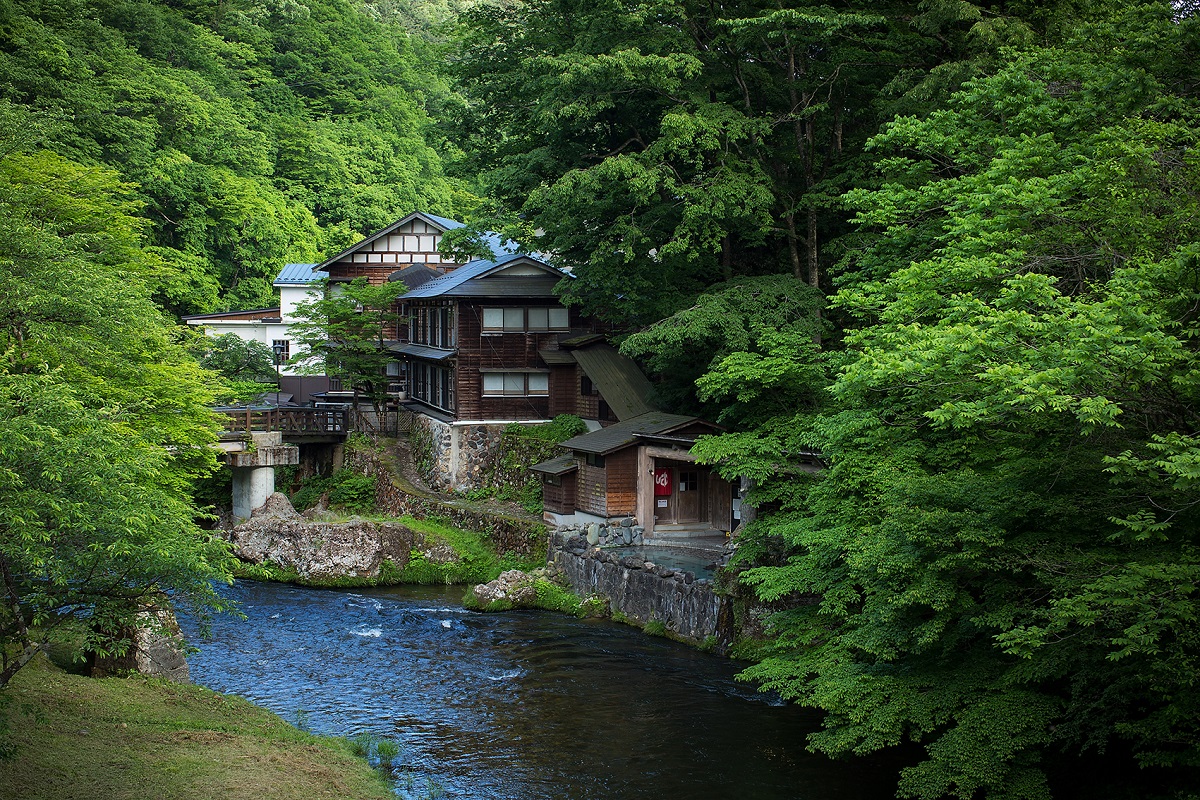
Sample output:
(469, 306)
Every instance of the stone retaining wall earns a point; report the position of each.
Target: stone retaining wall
(454, 457)
(640, 590)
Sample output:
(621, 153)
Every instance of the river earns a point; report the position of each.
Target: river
(519, 705)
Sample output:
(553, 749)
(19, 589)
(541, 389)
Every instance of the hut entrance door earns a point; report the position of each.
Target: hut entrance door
(688, 495)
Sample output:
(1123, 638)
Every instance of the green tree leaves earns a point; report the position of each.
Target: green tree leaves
(104, 420)
(258, 134)
(1003, 544)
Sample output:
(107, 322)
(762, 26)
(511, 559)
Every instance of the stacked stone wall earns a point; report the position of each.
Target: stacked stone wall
(641, 591)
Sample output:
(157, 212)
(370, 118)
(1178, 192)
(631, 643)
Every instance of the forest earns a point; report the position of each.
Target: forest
(952, 248)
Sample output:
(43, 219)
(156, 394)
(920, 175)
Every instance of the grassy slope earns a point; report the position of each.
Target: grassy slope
(145, 739)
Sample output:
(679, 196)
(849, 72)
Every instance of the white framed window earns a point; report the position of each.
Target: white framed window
(535, 318)
(493, 319)
(515, 384)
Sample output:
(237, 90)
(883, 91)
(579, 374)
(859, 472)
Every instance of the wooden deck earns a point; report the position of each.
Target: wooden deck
(291, 422)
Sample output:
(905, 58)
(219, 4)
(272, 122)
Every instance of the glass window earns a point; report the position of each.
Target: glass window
(514, 319)
(539, 383)
(539, 319)
(493, 319)
(559, 320)
(493, 383)
(514, 383)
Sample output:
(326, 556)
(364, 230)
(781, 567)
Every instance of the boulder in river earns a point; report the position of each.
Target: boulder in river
(319, 549)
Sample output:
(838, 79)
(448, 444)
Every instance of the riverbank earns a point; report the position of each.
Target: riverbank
(135, 738)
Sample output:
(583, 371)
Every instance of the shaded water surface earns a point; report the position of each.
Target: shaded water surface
(518, 705)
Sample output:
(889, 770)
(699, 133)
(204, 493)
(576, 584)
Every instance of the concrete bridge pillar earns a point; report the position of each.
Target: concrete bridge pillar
(254, 470)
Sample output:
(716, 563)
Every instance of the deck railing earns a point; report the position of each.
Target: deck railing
(299, 421)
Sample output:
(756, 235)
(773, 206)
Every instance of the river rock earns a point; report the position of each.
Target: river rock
(320, 550)
(513, 589)
(156, 648)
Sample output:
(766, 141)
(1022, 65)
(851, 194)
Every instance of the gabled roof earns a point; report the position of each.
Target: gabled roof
(453, 284)
(299, 275)
(438, 222)
(415, 275)
(621, 383)
(556, 466)
(625, 433)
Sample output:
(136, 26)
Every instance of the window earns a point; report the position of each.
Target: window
(282, 349)
(515, 384)
(586, 387)
(689, 481)
(433, 385)
(432, 325)
(594, 460)
(513, 320)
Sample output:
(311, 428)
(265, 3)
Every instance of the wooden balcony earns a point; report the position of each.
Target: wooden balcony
(293, 423)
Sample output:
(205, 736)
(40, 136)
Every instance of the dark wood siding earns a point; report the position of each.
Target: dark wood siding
(621, 482)
(502, 351)
(590, 494)
(564, 390)
(560, 499)
(720, 502)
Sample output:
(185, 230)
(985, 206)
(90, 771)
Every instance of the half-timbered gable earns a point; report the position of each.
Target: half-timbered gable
(413, 239)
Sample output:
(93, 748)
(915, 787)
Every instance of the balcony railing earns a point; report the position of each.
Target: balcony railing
(296, 421)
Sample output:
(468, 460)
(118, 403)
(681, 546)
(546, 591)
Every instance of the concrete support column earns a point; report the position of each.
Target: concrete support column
(254, 470)
(251, 488)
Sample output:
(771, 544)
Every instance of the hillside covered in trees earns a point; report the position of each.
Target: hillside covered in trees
(252, 133)
(950, 247)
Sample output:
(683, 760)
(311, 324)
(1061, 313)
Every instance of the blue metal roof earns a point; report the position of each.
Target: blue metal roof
(445, 222)
(302, 274)
(475, 269)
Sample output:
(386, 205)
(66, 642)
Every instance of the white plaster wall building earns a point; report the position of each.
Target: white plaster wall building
(270, 326)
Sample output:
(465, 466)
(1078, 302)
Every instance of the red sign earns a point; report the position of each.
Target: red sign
(662, 482)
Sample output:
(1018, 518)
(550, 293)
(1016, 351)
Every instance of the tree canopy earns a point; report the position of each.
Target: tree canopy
(104, 420)
(344, 334)
(1003, 545)
(256, 133)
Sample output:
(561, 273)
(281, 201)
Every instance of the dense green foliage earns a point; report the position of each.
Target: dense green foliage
(347, 490)
(257, 132)
(247, 365)
(1004, 540)
(662, 147)
(933, 264)
(104, 419)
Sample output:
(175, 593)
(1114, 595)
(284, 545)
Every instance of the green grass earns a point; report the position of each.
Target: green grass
(136, 738)
(476, 561)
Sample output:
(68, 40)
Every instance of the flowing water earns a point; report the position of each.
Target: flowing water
(519, 705)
